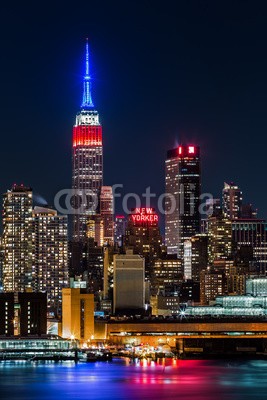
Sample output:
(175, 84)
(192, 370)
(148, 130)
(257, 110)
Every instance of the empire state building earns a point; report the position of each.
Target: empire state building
(87, 159)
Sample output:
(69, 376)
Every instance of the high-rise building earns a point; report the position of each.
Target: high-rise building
(17, 241)
(50, 255)
(87, 158)
(182, 182)
(107, 213)
(232, 201)
(143, 235)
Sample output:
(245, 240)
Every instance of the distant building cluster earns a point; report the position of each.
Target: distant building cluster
(94, 262)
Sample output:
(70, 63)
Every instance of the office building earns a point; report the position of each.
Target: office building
(167, 275)
(183, 188)
(129, 283)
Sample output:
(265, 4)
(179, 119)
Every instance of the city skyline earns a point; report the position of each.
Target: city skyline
(189, 97)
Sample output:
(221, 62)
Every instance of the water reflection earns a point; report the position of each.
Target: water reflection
(122, 379)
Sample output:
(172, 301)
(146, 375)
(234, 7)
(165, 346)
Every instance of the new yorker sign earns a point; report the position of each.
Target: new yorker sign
(144, 215)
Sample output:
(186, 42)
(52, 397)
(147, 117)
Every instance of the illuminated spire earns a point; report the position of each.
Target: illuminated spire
(87, 81)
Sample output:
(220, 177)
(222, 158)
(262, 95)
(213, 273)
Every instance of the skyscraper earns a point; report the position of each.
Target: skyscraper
(183, 185)
(87, 158)
(50, 255)
(232, 200)
(107, 213)
(17, 239)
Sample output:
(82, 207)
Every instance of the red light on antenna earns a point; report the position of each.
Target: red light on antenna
(191, 149)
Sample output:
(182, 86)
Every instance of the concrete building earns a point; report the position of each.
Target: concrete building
(129, 282)
(77, 315)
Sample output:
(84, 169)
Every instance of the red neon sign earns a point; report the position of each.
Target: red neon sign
(144, 215)
(180, 149)
(87, 135)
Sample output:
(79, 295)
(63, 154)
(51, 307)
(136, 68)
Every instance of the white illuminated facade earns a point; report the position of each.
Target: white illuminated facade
(17, 239)
(50, 255)
(187, 259)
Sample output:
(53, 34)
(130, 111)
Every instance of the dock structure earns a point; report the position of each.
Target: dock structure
(38, 348)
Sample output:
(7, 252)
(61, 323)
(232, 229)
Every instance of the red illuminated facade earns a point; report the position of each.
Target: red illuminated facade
(87, 135)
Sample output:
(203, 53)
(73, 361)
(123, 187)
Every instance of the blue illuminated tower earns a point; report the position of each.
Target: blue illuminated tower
(87, 82)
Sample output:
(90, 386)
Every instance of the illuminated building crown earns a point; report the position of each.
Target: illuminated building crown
(87, 82)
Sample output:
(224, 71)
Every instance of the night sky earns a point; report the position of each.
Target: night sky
(164, 72)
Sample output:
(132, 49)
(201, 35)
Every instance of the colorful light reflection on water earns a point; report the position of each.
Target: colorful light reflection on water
(121, 379)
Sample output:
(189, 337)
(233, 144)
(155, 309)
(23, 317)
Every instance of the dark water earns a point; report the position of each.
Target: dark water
(187, 379)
